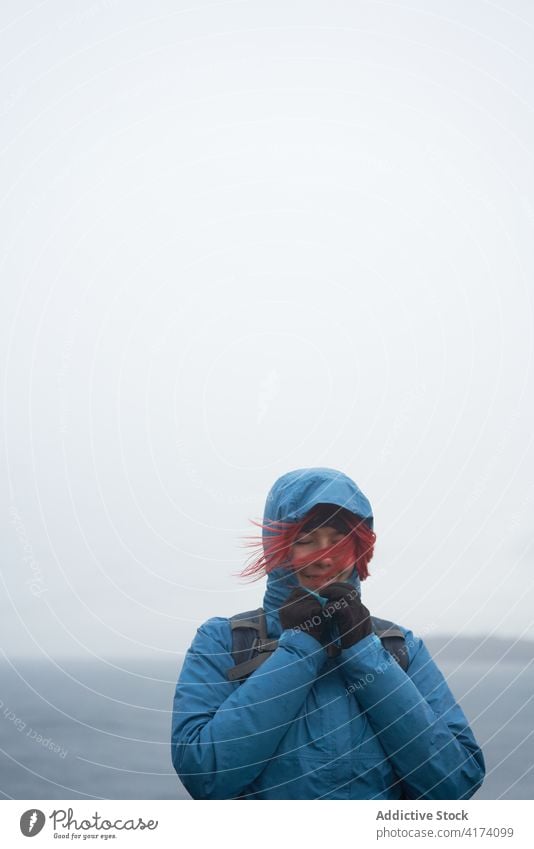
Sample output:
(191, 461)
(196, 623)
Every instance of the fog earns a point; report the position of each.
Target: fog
(248, 237)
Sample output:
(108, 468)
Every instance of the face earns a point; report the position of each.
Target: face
(312, 575)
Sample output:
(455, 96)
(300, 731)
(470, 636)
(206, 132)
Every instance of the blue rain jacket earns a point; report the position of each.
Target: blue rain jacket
(307, 726)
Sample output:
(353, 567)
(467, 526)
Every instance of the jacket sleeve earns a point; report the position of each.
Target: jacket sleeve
(422, 729)
(223, 733)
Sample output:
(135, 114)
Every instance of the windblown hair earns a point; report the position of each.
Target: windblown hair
(274, 550)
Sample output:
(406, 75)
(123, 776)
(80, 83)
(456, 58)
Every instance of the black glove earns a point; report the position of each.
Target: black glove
(303, 611)
(344, 606)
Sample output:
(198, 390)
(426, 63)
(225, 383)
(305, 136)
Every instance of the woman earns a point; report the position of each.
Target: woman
(332, 711)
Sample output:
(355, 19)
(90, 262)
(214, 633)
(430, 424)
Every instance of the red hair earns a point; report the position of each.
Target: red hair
(274, 550)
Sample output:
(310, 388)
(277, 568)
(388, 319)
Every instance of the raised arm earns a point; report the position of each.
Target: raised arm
(421, 727)
(223, 733)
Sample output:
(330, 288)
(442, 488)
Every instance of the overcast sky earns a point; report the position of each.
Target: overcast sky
(248, 237)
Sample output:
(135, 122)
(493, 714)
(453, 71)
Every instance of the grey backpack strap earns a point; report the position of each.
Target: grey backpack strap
(392, 639)
(251, 645)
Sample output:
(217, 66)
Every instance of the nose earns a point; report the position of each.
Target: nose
(324, 541)
(326, 561)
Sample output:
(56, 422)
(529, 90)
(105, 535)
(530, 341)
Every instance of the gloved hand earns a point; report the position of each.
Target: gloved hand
(303, 611)
(344, 606)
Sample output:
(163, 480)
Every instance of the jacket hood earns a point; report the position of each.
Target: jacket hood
(291, 497)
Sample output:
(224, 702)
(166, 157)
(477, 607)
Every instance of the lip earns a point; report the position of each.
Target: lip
(318, 575)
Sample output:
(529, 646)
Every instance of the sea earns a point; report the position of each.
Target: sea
(87, 729)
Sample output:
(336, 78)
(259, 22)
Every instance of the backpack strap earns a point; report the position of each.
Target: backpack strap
(251, 645)
(392, 639)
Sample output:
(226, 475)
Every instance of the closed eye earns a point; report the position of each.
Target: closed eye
(308, 541)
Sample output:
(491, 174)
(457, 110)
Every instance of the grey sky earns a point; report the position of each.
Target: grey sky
(247, 237)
